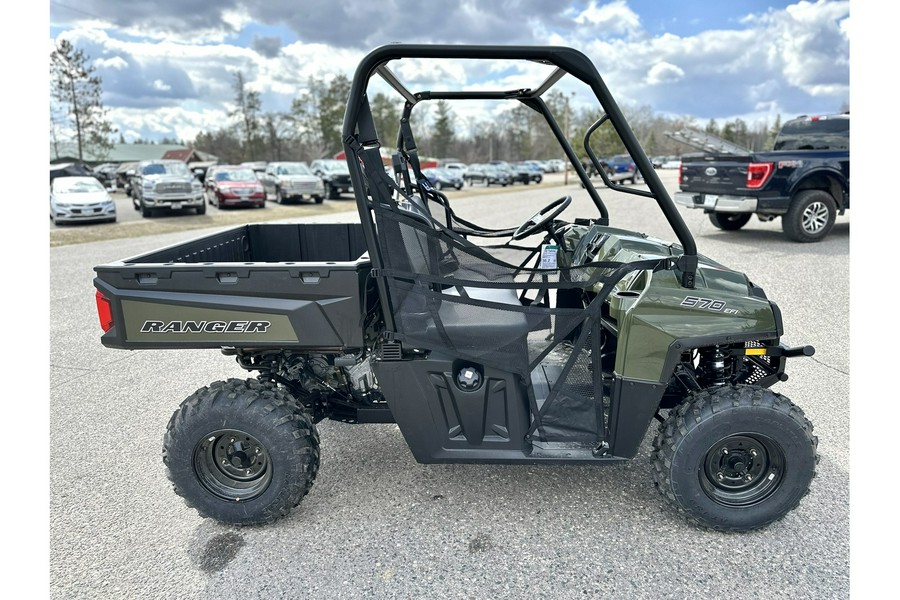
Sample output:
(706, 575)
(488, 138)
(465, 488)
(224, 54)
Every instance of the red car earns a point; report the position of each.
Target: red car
(232, 185)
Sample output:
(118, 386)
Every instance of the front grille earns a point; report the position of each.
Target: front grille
(173, 188)
(302, 186)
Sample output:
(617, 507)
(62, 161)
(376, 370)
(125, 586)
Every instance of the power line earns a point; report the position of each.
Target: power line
(77, 10)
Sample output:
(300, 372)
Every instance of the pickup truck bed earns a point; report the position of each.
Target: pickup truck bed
(805, 180)
(254, 286)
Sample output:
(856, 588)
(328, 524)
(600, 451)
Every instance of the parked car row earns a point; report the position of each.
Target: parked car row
(167, 185)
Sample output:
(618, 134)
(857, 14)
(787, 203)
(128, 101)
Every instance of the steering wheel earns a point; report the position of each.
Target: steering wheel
(541, 218)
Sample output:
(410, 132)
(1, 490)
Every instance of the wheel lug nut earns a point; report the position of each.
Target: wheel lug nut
(748, 477)
(719, 475)
(724, 450)
(753, 452)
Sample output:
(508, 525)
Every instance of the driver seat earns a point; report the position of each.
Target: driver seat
(418, 208)
(465, 325)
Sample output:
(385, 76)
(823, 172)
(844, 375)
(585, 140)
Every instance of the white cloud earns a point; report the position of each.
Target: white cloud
(663, 72)
(117, 62)
(614, 17)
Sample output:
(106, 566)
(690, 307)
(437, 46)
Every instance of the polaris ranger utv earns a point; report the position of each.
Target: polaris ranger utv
(552, 342)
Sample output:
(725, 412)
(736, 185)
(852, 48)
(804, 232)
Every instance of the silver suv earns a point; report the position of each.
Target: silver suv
(165, 185)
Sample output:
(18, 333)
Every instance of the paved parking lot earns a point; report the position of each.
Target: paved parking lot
(377, 524)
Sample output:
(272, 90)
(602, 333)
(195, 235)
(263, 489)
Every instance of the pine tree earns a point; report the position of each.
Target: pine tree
(443, 132)
(77, 92)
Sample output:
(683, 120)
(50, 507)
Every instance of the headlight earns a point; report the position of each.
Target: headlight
(148, 185)
(197, 186)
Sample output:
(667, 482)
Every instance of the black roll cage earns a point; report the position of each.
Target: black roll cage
(359, 132)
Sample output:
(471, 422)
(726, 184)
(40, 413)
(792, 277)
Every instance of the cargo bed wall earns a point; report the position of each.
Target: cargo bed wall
(268, 285)
(296, 242)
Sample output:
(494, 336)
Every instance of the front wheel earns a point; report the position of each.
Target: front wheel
(810, 217)
(735, 458)
(241, 452)
(729, 221)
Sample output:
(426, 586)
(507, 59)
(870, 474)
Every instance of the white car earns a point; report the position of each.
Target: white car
(456, 167)
(74, 199)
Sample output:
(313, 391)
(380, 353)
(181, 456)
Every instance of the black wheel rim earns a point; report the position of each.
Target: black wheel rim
(232, 465)
(742, 470)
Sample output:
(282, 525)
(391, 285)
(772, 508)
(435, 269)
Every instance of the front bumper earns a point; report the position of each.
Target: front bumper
(241, 200)
(717, 203)
(174, 202)
(73, 214)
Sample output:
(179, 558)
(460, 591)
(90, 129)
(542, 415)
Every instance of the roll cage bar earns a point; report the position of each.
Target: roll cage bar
(359, 132)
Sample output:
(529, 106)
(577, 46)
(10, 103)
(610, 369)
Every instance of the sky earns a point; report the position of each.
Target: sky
(168, 66)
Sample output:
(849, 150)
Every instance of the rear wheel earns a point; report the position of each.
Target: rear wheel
(729, 221)
(735, 458)
(241, 452)
(810, 217)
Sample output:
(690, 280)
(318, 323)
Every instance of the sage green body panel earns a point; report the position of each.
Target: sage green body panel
(651, 311)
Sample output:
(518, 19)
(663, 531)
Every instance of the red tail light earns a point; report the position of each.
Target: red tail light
(104, 310)
(680, 172)
(758, 174)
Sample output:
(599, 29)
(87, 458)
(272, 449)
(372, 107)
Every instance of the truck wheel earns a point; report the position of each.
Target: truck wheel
(330, 192)
(729, 221)
(735, 458)
(810, 217)
(241, 452)
(146, 211)
(318, 199)
(279, 199)
(201, 210)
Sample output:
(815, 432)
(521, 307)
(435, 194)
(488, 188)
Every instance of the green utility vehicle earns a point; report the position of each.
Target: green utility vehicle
(557, 341)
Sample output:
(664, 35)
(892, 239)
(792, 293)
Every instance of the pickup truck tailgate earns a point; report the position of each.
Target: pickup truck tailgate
(714, 174)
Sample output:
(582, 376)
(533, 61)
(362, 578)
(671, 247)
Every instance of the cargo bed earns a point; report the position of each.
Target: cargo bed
(301, 285)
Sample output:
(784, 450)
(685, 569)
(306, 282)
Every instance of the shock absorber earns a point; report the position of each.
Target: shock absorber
(714, 366)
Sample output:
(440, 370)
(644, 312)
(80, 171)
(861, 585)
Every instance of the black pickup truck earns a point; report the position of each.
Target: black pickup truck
(805, 180)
